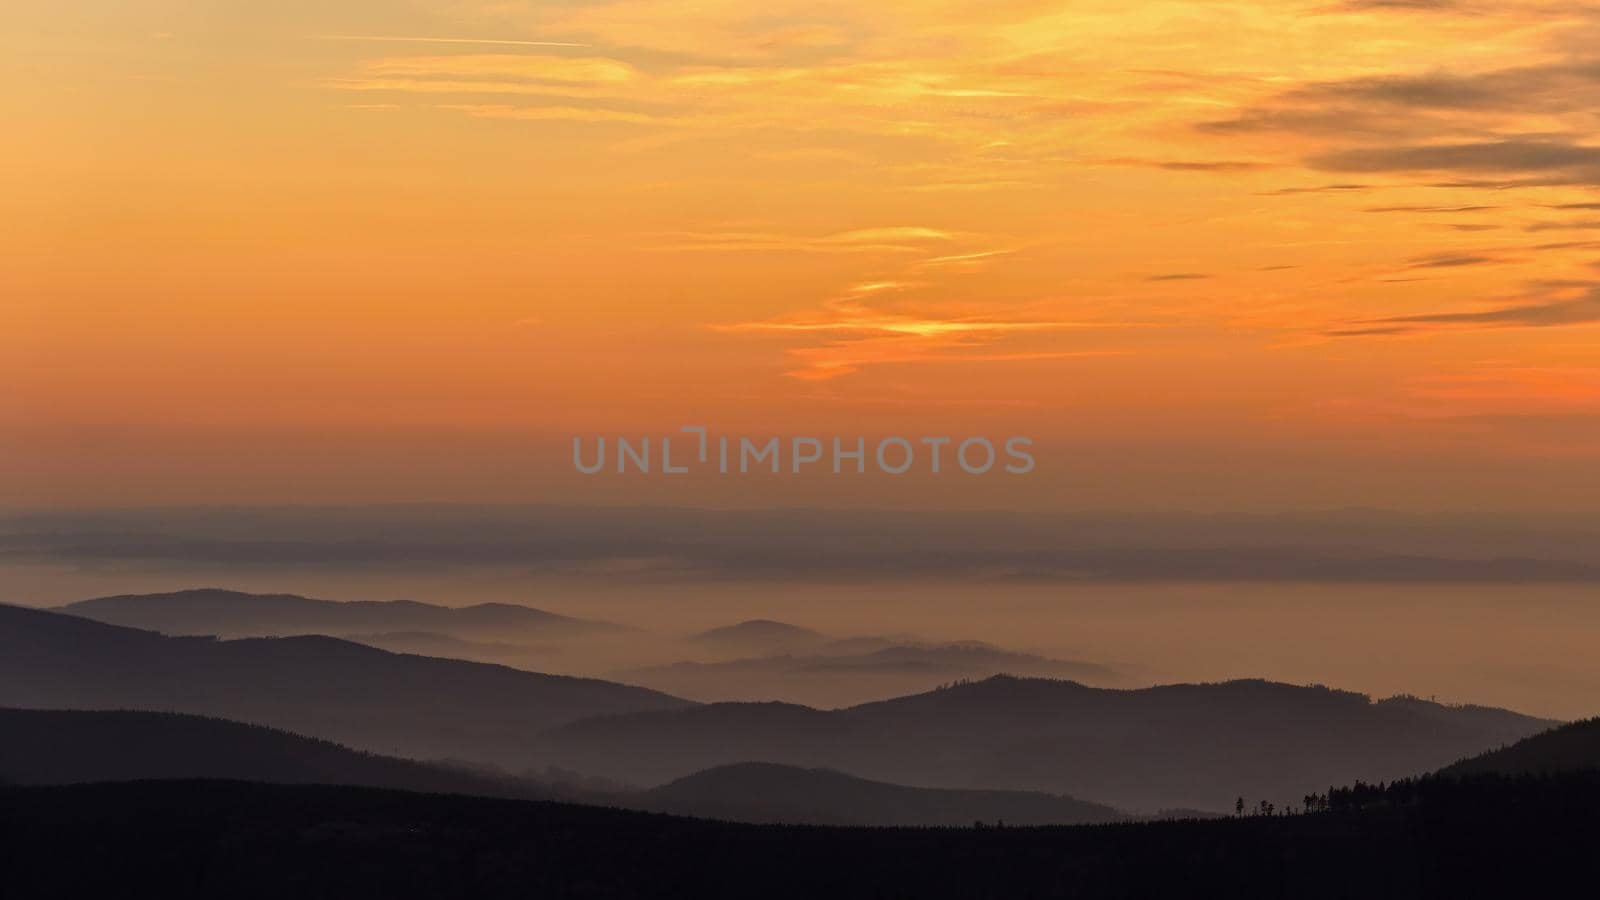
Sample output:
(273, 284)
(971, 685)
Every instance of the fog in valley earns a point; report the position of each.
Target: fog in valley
(1524, 647)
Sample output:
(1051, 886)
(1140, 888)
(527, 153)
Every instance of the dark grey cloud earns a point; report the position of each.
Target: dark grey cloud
(1442, 122)
(1583, 310)
(1560, 87)
(1178, 276)
(1452, 261)
(1312, 119)
(1414, 91)
(1567, 312)
(1420, 103)
(1567, 245)
(1577, 225)
(1481, 156)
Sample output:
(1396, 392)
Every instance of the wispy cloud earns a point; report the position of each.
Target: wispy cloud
(1452, 260)
(551, 113)
(893, 239)
(1215, 166)
(408, 39)
(533, 68)
(1428, 209)
(1319, 189)
(594, 80)
(963, 260)
(859, 332)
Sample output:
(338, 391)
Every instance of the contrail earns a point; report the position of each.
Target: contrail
(439, 40)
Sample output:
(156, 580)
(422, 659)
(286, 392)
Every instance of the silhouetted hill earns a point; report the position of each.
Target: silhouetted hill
(1571, 747)
(223, 612)
(960, 657)
(832, 676)
(759, 635)
(77, 746)
(414, 706)
(430, 643)
(1487, 837)
(1187, 745)
(764, 792)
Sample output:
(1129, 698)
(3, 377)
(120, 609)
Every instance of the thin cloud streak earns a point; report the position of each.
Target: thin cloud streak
(895, 239)
(866, 336)
(405, 39)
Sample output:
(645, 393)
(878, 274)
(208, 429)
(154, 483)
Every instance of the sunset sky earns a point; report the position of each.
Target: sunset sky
(1216, 255)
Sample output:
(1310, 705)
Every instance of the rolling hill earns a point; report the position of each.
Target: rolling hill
(835, 674)
(81, 746)
(414, 706)
(1195, 746)
(221, 612)
(1178, 746)
(759, 636)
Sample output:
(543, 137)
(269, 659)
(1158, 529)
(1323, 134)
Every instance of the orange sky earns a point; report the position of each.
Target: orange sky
(1229, 254)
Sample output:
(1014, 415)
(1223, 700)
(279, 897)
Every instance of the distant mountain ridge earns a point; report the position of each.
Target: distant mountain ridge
(227, 612)
(848, 672)
(416, 706)
(759, 634)
(1193, 746)
(1189, 745)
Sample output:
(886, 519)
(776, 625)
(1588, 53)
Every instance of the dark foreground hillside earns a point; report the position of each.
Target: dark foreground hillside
(1487, 837)
(1575, 745)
